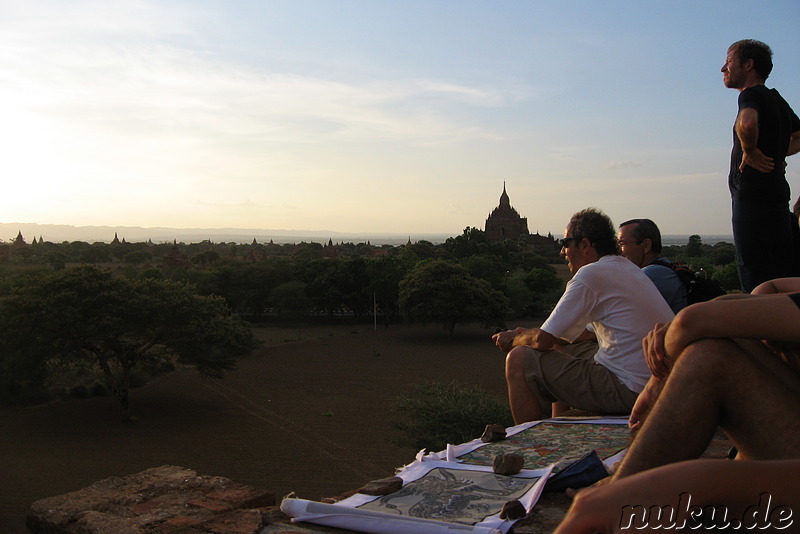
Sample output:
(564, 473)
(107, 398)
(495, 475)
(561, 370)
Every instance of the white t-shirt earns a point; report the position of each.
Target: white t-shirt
(615, 299)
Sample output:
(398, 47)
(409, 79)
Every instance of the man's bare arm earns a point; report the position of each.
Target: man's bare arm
(526, 337)
(537, 339)
(774, 317)
(735, 485)
(778, 285)
(771, 316)
(794, 144)
(747, 132)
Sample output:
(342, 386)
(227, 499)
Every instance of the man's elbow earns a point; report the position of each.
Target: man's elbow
(695, 321)
(794, 144)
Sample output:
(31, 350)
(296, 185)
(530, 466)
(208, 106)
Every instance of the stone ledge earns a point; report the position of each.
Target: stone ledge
(176, 500)
(166, 499)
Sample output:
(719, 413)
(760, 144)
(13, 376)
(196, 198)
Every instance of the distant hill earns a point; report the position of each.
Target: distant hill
(58, 233)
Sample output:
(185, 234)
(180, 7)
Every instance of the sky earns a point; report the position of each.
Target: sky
(403, 116)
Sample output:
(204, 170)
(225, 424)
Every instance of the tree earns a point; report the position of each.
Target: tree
(470, 243)
(86, 314)
(728, 276)
(446, 294)
(290, 299)
(319, 277)
(521, 298)
(385, 274)
(694, 248)
(351, 277)
(486, 268)
(546, 287)
(723, 254)
(261, 279)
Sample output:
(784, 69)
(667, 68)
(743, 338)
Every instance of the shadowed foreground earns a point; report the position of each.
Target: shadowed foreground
(309, 412)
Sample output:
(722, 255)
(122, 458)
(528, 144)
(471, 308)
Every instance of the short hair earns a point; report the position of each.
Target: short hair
(597, 227)
(646, 229)
(759, 52)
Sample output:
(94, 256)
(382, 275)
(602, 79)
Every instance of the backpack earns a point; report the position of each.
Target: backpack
(699, 288)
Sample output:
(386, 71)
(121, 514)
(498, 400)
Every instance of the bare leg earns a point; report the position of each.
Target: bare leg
(764, 423)
(522, 399)
(741, 386)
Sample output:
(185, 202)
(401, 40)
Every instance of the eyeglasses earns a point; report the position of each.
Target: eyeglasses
(566, 241)
(626, 243)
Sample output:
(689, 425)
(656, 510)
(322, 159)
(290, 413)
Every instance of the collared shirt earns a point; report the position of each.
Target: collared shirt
(622, 305)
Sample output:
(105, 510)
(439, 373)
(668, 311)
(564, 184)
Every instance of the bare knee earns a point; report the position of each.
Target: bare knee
(709, 355)
(515, 362)
(717, 366)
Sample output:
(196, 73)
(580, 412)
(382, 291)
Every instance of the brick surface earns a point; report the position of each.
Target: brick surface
(236, 522)
(241, 496)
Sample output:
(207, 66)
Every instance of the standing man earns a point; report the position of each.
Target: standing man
(766, 131)
(640, 241)
(609, 299)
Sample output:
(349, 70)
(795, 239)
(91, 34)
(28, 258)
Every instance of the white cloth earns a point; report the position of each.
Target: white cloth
(621, 305)
(352, 514)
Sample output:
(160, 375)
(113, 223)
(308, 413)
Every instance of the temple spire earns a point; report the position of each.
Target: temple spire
(504, 200)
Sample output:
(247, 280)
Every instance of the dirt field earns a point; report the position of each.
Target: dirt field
(309, 412)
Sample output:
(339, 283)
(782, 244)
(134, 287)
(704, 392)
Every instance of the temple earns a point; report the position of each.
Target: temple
(505, 222)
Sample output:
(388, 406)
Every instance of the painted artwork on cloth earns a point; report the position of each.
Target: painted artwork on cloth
(554, 443)
(453, 495)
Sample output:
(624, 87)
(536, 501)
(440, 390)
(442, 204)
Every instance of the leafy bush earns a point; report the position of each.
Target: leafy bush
(438, 414)
(728, 276)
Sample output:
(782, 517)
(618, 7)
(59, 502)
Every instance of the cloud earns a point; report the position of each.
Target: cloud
(83, 21)
(114, 69)
(617, 164)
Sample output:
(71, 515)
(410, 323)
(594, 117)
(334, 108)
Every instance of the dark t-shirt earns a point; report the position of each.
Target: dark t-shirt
(776, 123)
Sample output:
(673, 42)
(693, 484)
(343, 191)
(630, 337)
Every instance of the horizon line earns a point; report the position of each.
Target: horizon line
(106, 234)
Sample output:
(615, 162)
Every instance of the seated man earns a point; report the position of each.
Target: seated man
(554, 364)
(640, 241)
(711, 368)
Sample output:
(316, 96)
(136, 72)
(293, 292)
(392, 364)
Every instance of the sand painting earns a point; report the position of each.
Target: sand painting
(555, 443)
(453, 495)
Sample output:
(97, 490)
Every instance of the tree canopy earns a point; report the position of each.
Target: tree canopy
(88, 315)
(446, 294)
(267, 281)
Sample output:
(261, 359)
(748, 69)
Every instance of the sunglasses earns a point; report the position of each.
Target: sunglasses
(566, 241)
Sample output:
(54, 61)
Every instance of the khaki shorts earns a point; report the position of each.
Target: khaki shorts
(573, 376)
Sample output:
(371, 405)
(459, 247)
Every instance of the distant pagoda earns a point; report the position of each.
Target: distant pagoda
(505, 222)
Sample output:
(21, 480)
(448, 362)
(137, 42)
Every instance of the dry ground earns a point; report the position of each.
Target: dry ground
(309, 412)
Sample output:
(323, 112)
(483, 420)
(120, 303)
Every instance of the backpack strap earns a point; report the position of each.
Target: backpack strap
(684, 274)
(662, 263)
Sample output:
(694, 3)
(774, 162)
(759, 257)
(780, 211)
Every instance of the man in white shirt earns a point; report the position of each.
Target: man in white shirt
(610, 300)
